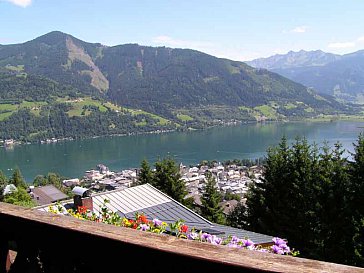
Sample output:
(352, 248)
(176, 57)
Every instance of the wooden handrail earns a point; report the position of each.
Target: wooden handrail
(97, 246)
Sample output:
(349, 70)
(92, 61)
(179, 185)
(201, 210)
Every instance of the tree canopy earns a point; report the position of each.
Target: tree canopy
(311, 196)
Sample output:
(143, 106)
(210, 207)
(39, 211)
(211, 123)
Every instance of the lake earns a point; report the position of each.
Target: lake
(250, 141)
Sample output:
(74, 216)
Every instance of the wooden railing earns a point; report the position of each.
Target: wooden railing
(46, 242)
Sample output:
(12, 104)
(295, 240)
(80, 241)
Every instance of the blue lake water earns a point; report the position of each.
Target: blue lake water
(250, 141)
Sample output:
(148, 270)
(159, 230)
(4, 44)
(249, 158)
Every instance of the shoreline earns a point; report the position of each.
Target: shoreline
(324, 119)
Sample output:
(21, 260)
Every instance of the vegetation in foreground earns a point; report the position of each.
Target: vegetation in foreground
(313, 197)
(305, 188)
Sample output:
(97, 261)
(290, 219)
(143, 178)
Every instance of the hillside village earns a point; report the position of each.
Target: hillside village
(232, 180)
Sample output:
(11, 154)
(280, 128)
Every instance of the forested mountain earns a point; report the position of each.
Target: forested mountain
(171, 87)
(35, 108)
(341, 76)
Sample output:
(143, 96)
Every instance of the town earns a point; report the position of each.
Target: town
(232, 180)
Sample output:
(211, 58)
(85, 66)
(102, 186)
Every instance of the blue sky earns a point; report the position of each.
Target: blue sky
(238, 30)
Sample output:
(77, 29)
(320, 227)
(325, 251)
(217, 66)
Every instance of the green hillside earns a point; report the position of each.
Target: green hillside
(96, 88)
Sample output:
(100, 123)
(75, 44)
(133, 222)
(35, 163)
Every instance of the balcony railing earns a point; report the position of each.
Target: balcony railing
(46, 242)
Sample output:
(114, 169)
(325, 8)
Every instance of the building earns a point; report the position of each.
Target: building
(71, 182)
(47, 194)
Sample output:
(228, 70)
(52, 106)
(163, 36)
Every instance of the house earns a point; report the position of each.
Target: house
(47, 194)
(9, 189)
(228, 206)
(71, 182)
(153, 203)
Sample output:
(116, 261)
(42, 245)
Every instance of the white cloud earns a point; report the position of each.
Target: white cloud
(299, 29)
(361, 39)
(342, 45)
(21, 3)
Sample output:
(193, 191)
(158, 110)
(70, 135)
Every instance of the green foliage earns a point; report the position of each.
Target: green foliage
(54, 179)
(312, 190)
(357, 191)
(210, 201)
(20, 197)
(17, 179)
(237, 217)
(166, 178)
(145, 173)
(53, 121)
(231, 196)
(3, 183)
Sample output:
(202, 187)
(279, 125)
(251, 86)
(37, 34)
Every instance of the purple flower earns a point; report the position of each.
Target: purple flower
(218, 240)
(234, 239)
(278, 241)
(276, 249)
(285, 248)
(157, 222)
(144, 227)
(232, 245)
(213, 239)
(205, 236)
(247, 243)
(192, 235)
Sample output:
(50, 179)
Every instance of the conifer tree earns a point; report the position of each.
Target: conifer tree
(357, 201)
(237, 217)
(312, 197)
(167, 178)
(17, 179)
(210, 201)
(3, 183)
(145, 173)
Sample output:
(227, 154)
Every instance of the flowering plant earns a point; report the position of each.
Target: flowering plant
(178, 228)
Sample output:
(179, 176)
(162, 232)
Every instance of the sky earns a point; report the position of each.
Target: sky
(238, 30)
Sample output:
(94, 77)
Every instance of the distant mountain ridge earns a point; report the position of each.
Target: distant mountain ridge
(339, 75)
(186, 87)
(293, 59)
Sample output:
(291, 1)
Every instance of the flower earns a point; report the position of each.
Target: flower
(276, 249)
(81, 209)
(144, 227)
(247, 243)
(205, 236)
(278, 241)
(192, 236)
(183, 228)
(142, 218)
(157, 223)
(178, 229)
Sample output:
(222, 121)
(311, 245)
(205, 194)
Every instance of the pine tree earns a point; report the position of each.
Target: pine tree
(357, 200)
(3, 183)
(210, 201)
(17, 179)
(145, 174)
(167, 178)
(237, 217)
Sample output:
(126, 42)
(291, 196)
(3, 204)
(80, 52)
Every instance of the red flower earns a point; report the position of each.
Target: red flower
(81, 209)
(143, 219)
(183, 228)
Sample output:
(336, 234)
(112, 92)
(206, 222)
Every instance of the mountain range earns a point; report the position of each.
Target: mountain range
(150, 88)
(339, 75)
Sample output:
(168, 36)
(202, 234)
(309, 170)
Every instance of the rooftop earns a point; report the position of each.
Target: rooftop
(155, 204)
(48, 194)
